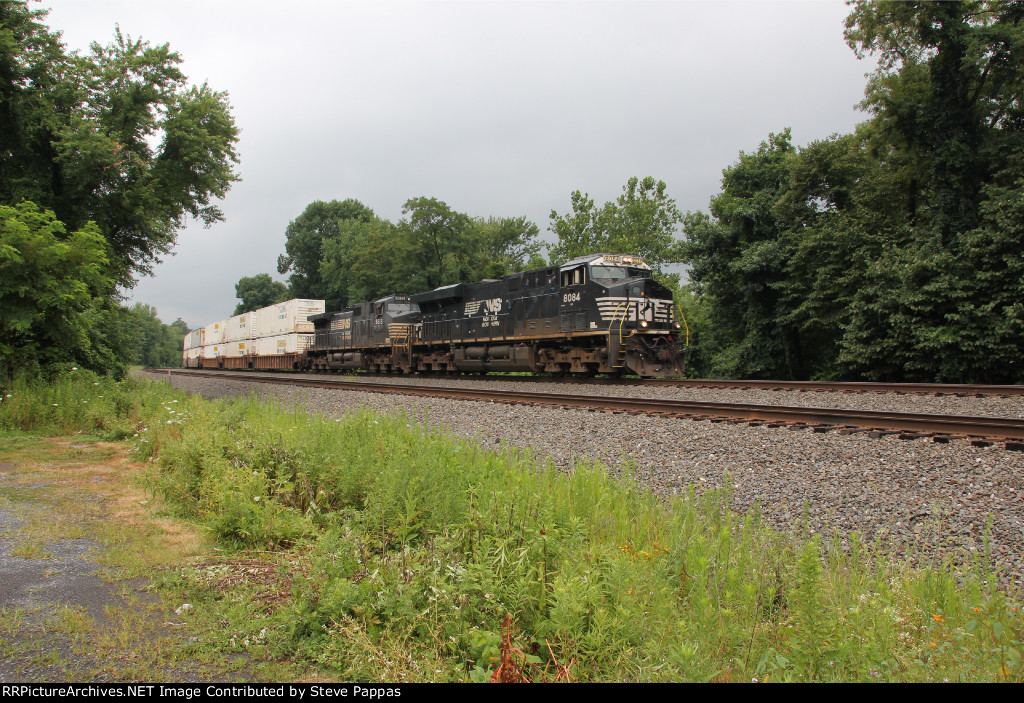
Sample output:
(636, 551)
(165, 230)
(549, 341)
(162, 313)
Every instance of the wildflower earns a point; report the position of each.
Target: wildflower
(74, 368)
(256, 498)
(938, 618)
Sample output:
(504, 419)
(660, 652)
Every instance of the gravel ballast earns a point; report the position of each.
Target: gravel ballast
(903, 492)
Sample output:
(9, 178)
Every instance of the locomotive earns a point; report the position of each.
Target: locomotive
(601, 313)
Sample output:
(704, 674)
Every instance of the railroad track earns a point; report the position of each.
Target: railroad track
(939, 389)
(941, 428)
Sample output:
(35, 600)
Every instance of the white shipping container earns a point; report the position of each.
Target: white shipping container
(213, 351)
(283, 344)
(214, 333)
(193, 355)
(287, 317)
(236, 349)
(238, 328)
(193, 340)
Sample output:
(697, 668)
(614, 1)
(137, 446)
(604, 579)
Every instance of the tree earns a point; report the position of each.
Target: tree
(642, 221)
(438, 237)
(319, 227)
(434, 246)
(943, 299)
(154, 344)
(948, 84)
(116, 137)
(257, 292)
(507, 245)
(738, 257)
(55, 294)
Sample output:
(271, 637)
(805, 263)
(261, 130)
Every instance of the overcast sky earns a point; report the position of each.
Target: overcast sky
(497, 108)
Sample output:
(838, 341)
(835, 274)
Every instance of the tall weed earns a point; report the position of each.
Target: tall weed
(426, 558)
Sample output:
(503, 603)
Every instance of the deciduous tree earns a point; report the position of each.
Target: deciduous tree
(116, 137)
(257, 292)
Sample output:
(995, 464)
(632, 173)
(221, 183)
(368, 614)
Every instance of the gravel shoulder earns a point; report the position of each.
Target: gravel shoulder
(942, 498)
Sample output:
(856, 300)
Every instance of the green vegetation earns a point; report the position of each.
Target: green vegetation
(153, 343)
(103, 158)
(343, 253)
(369, 547)
(257, 292)
(893, 253)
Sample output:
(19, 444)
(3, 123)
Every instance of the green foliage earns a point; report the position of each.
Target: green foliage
(102, 159)
(739, 257)
(434, 245)
(642, 221)
(423, 558)
(322, 226)
(154, 344)
(79, 401)
(258, 291)
(116, 137)
(55, 294)
(891, 253)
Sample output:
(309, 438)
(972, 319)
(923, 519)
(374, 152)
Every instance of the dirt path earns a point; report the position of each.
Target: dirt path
(76, 549)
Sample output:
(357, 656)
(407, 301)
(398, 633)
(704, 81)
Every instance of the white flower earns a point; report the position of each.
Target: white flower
(256, 498)
(74, 368)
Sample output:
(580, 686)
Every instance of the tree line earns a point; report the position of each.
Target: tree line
(103, 158)
(892, 253)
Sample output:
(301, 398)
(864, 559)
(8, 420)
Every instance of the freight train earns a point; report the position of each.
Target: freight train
(601, 313)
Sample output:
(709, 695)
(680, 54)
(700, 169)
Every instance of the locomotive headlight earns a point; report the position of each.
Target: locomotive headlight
(679, 326)
(643, 323)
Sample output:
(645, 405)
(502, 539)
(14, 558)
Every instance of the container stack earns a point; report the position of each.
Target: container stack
(274, 337)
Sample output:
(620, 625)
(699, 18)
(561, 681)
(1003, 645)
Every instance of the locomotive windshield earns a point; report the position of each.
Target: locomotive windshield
(402, 308)
(617, 273)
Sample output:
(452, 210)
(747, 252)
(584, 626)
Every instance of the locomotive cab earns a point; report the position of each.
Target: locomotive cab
(375, 336)
(616, 296)
(624, 290)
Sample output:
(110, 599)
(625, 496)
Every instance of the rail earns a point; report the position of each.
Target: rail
(1009, 429)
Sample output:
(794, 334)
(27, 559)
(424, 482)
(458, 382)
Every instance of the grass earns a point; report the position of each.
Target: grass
(369, 548)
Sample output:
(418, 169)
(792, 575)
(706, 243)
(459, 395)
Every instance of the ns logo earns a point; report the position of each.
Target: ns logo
(488, 307)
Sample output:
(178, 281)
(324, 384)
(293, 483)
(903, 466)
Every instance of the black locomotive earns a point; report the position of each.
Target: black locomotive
(602, 313)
